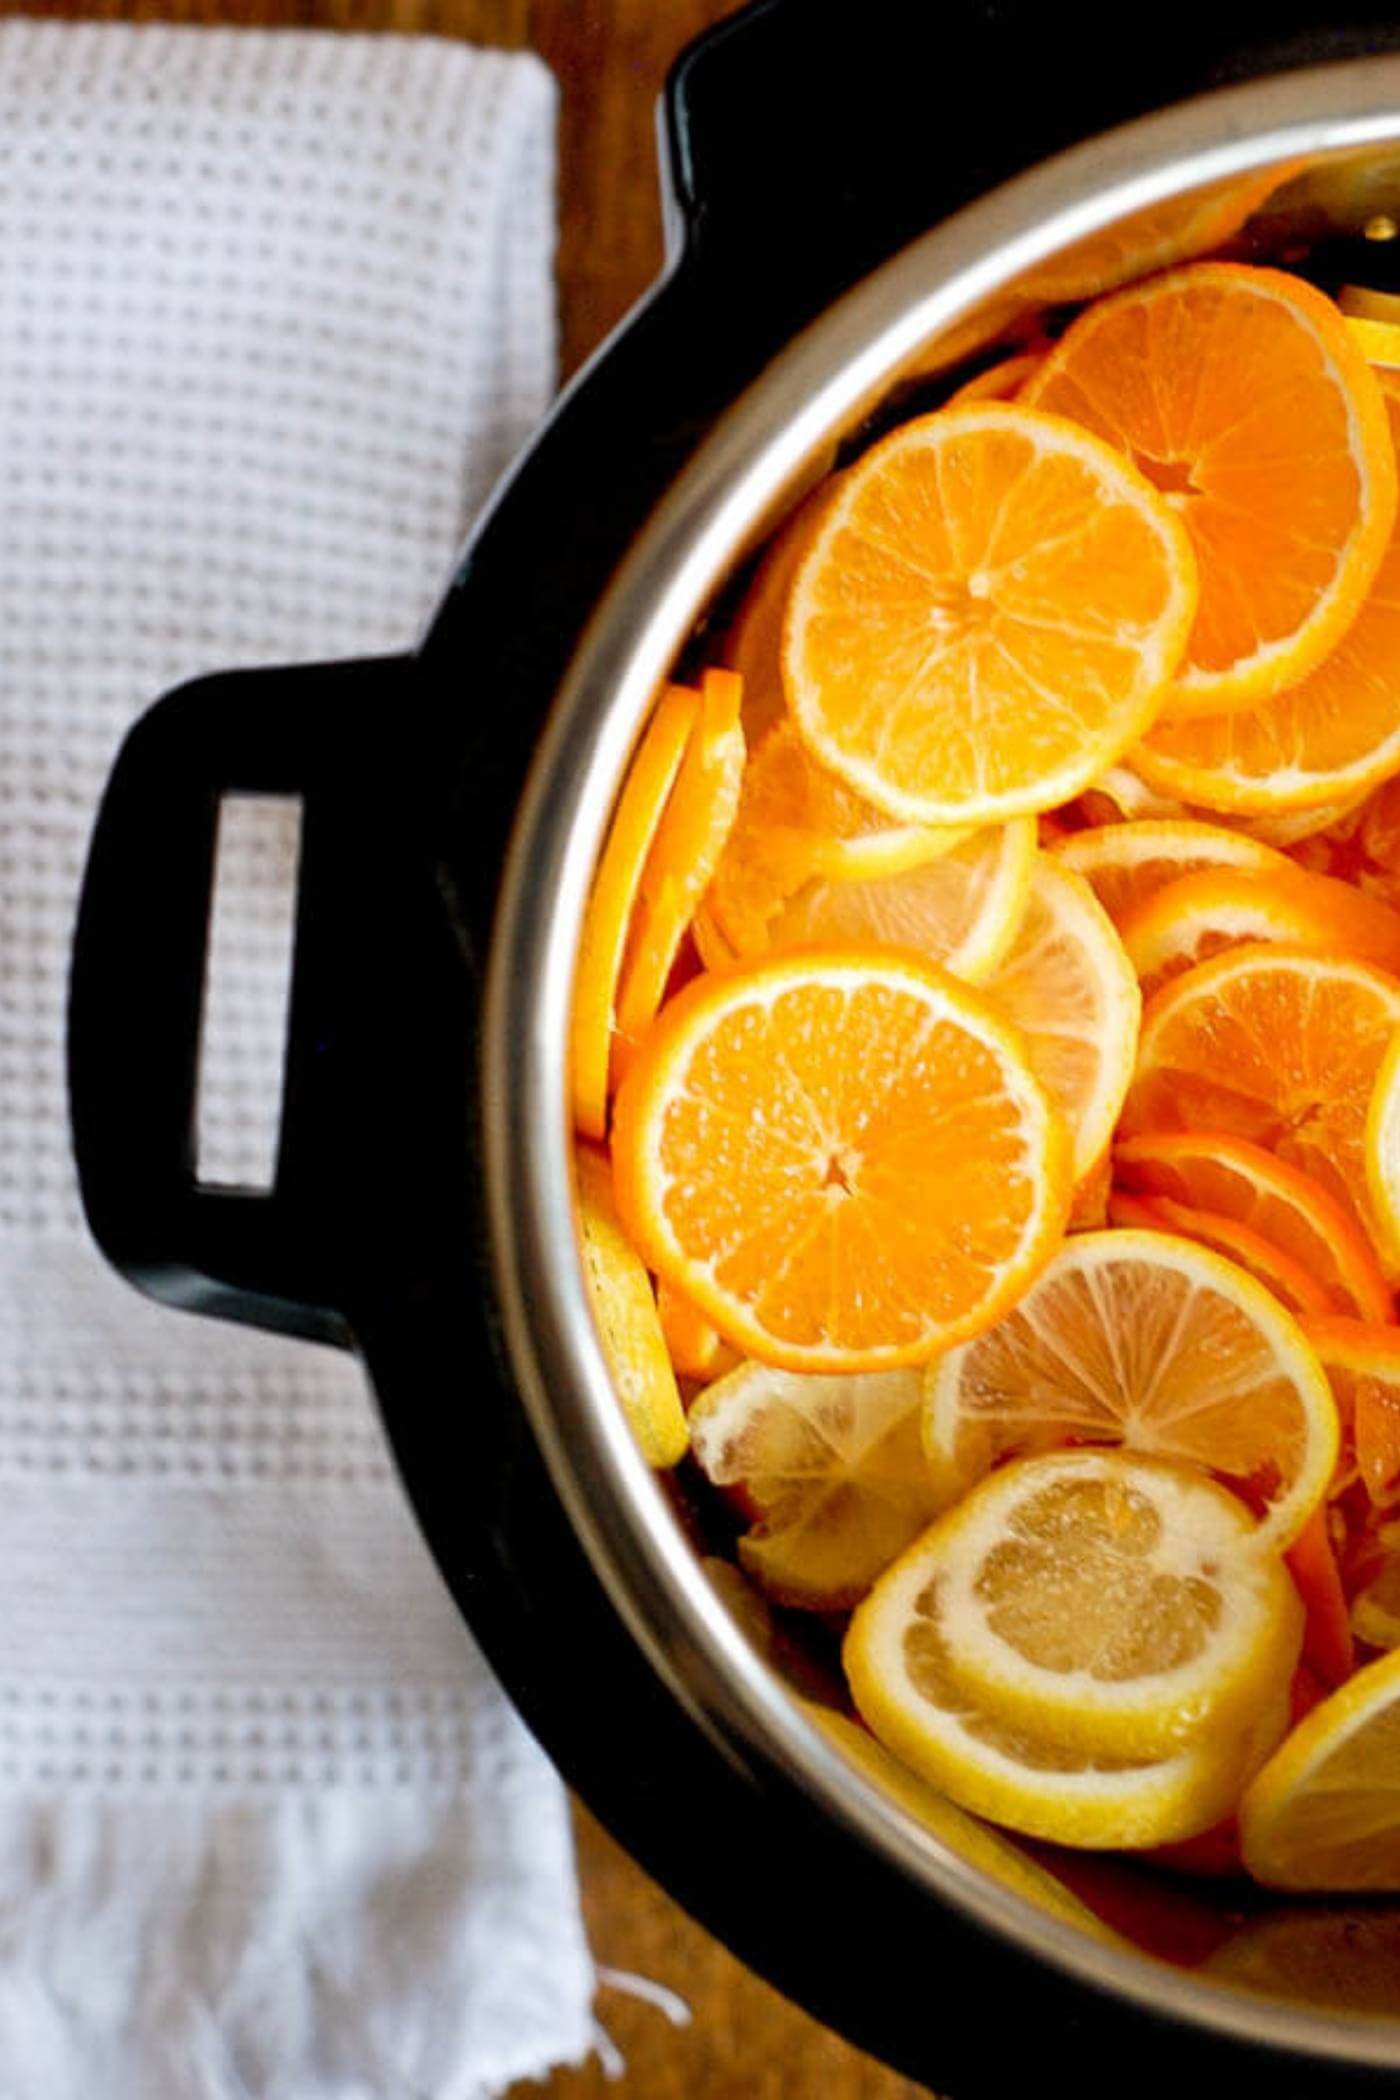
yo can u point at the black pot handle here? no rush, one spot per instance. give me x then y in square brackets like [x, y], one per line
[137, 985]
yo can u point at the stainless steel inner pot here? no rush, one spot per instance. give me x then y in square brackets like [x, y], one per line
[1331, 135]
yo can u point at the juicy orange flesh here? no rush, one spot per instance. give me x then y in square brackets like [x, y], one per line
[1301, 1063]
[1123, 874]
[1073, 1586]
[1005, 581]
[1368, 1399]
[1363, 848]
[1230, 1178]
[1137, 1354]
[1227, 403]
[847, 1163]
[836, 1479]
[1335, 718]
[929, 1665]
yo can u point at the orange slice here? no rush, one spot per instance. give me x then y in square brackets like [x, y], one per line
[1120, 796]
[1362, 1363]
[962, 909]
[684, 852]
[1324, 1813]
[754, 644]
[1275, 1045]
[1362, 846]
[624, 1312]
[1292, 827]
[796, 822]
[987, 616]
[1000, 382]
[842, 1158]
[1125, 863]
[1334, 735]
[696, 1349]
[1375, 1609]
[1240, 393]
[1151, 1342]
[1176, 230]
[1328, 1647]
[1219, 908]
[1280, 1273]
[1383, 1151]
[829, 1470]
[1232, 1178]
[613, 897]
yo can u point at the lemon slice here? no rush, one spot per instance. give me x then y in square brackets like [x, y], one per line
[1324, 1813]
[1142, 1339]
[1068, 985]
[967, 1837]
[898, 1667]
[625, 1314]
[1114, 1603]
[962, 910]
[831, 1469]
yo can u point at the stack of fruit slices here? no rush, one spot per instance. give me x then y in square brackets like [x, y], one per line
[986, 1069]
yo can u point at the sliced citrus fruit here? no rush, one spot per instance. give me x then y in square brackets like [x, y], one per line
[842, 1158]
[624, 1312]
[896, 1663]
[684, 851]
[1362, 1363]
[753, 645]
[1109, 1605]
[1124, 864]
[1174, 231]
[1327, 1641]
[1002, 381]
[987, 616]
[1293, 827]
[1375, 1609]
[1232, 1178]
[1273, 1044]
[1280, 1273]
[1141, 1339]
[962, 909]
[1324, 1813]
[1120, 796]
[1378, 341]
[1362, 846]
[1069, 987]
[1113, 1602]
[796, 822]
[1219, 908]
[1383, 1150]
[829, 1469]
[1332, 734]
[696, 1349]
[614, 894]
[967, 1837]
[1360, 302]
[1240, 393]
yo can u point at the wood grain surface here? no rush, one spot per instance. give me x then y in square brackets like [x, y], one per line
[611, 57]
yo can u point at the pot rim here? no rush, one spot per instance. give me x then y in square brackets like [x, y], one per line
[736, 484]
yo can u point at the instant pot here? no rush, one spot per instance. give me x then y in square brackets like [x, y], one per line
[863, 202]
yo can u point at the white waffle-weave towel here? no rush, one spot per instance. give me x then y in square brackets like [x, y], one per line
[274, 310]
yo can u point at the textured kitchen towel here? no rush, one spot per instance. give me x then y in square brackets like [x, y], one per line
[275, 308]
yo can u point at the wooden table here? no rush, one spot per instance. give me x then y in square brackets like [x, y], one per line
[610, 57]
